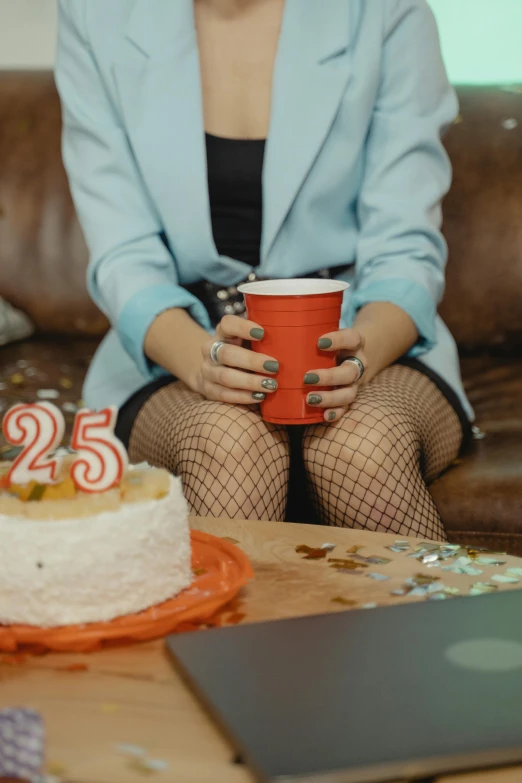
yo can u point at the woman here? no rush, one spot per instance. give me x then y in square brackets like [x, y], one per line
[210, 140]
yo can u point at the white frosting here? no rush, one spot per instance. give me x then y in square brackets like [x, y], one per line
[96, 568]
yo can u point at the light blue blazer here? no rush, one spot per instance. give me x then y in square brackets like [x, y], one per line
[354, 168]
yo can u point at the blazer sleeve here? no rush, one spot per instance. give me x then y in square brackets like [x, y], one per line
[401, 254]
[131, 276]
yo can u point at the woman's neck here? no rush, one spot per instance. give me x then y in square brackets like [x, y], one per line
[230, 9]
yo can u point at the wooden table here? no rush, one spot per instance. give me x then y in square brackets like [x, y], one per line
[131, 700]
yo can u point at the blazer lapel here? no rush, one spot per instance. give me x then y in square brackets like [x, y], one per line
[311, 74]
[159, 85]
[160, 91]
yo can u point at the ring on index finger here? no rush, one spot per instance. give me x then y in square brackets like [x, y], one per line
[214, 352]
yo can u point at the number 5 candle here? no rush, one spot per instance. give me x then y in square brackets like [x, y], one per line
[102, 458]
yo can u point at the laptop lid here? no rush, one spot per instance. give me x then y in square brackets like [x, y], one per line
[371, 695]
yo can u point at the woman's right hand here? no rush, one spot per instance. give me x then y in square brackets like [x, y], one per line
[243, 377]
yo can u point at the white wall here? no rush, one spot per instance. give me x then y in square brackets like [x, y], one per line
[27, 33]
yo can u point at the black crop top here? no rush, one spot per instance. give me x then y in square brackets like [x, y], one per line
[235, 168]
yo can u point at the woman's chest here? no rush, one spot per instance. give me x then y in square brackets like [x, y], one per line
[237, 57]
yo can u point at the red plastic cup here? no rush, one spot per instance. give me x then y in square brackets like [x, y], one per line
[294, 314]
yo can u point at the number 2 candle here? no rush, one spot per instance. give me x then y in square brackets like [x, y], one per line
[101, 459]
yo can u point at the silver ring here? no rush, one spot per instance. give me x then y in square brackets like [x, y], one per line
[359, 364]
[214, 352]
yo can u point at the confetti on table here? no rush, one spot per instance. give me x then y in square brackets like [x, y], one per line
[425, 579]
[451, 590]
[311, 553]
[17, 379]
[69, 407]
[489, 561]
[462, 565]
[354, 550]
[378, 577]
[343, 601]
[513, 571]
[425, 590]
[328, 547]
[399, 546]
[375, 560]
[510, 124]
[420, 585]
[350, 571]
[3, 386]
[199, 571]
[369, 606]
[230, 539]
[482, 588]
[47, 394]
[505, 579]
[22, 364]
[348, 565]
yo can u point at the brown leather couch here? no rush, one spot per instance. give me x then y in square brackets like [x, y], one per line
[42, 271]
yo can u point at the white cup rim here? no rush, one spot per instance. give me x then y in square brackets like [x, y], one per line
[299, 286]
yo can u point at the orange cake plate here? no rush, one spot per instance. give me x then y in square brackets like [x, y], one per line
[220, 569]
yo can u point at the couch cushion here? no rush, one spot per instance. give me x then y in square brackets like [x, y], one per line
[482, 221]
[480, 498]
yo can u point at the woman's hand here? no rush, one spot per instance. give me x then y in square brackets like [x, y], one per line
[345, 378]
[242, 377]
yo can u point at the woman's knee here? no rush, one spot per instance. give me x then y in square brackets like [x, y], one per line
[230, 437]
[373, 443]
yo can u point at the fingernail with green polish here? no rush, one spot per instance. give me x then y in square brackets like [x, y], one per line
[311, 378]
[324, 343]
[314, 399]
[257, 334]
[259, 396]
[271, 366]
[331, 415]
[269, 384]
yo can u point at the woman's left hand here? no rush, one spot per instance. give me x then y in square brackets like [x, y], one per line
[345, 378]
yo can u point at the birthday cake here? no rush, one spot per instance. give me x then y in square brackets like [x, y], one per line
[95, 541]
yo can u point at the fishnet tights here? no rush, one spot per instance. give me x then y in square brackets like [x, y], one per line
[231, 462]
[370, 470]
